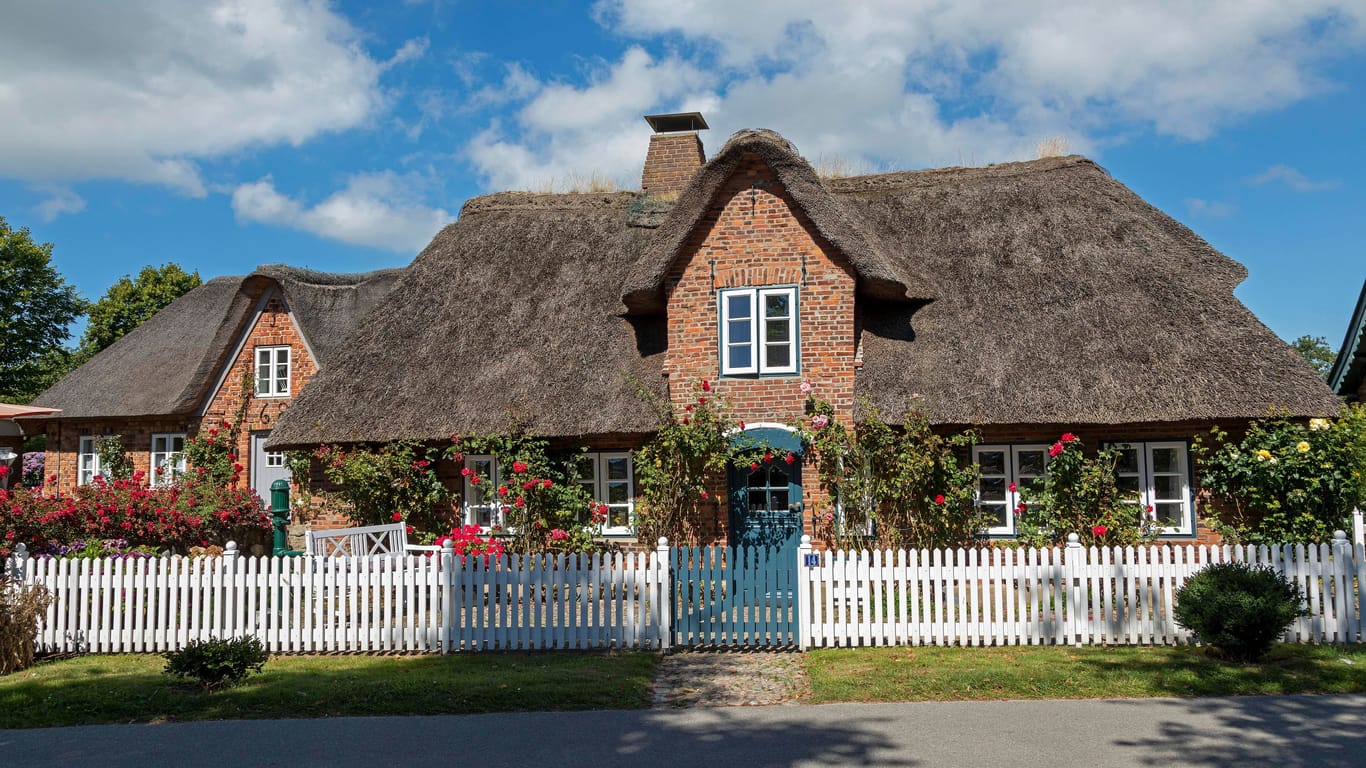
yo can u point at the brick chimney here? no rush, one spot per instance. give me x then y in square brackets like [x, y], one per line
[675, 153]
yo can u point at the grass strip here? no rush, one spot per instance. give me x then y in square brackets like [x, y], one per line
[1024, 672]
[131, 688]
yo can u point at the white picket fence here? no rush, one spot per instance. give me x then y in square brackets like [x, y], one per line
[1070, 595]
[437, 603]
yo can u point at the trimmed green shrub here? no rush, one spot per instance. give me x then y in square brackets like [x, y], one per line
[1237, 608]
[217, 663]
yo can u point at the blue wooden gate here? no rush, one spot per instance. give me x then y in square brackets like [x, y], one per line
[731, 597]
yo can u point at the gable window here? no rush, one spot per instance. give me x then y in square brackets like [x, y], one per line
[1159, 472]
[168, 458]
[272, 371]
[607, 477]
[88, 460]
[481, 492]
[758, 331]
[1005, 469]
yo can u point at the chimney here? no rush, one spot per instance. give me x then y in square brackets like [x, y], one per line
[675, 153]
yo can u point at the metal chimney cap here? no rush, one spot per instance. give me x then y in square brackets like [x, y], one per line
[677, 122]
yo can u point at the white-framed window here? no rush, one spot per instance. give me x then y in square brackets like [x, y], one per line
[88, 459]
[275, 458]
[168, 458]
[758, 331]
[272, 371]
[481, 496]
[1004, 469]
[1160, 473]
[608, 477]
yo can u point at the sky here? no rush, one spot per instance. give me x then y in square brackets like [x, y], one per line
[341, 136]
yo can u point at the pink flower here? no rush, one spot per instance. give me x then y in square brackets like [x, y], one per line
[1068, 437]
[805, 387]
[939, 499]
[518, 467]
[558, 535]
[465, 471]
[4, 470]
[1054, 450]
[820, 421]
[1099, 530]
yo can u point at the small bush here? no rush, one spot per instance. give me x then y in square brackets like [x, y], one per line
[217, 663]
[21, 608]
[1239, 609]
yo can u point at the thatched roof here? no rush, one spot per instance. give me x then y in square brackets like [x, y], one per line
[1349, 370]
[1058, 297]
[167, 365]
[881, 273]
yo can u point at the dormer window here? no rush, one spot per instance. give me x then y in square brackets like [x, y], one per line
[759, 331]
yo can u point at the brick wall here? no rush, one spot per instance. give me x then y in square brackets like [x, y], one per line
[753, 236]
[672, 160]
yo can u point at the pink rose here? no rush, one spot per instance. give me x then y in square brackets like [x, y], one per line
[820, 421]
[805, 387]
[1055, 450]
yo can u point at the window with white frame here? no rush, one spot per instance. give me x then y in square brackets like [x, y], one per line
[607, 477]
[1005, 469]
[88, 459]
[758, 331]
[481, 492]
[272, 371]
[1159, 472]
[168, 458]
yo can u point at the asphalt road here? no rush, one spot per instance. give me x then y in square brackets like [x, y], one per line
[1281, 731]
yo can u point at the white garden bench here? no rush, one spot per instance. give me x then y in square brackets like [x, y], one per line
[391, 539]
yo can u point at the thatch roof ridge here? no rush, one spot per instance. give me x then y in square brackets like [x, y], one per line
[548, 202]
[870, 182]
[168, 364]
[880, 274]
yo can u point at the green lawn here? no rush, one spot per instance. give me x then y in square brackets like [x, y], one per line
[132, 688]
[944, 674]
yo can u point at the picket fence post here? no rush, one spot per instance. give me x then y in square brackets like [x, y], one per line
[1073, 569]
[449, 591]
[1358, 527]
[1344, 597]
[663, 597]
[803, 594]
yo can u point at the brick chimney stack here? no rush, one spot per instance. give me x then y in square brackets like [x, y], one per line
[675, 153]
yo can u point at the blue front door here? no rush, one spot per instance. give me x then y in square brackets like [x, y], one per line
[766, 505]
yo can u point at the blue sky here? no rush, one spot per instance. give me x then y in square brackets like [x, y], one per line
[341, 136]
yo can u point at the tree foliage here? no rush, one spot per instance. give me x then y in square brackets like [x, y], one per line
[36, 306]
[130, 302]
[1316, 352]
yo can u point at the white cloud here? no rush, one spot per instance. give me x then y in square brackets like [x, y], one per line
[1292, 178]
[60, 200]
[926, 82]
[141, 90]
[1209, 209]
[380, 210]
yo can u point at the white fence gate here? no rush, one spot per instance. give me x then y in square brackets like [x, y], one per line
[438, 603]
[1071, 595]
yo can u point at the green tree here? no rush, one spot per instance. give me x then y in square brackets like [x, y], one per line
[36, 306]
[130, 302]
[1315, 351]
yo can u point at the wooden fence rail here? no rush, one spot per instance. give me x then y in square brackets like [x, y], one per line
[1070, 595]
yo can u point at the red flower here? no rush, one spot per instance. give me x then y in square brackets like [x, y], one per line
[753, 466]
[1068, 437]
[518, 467]
[701, 401]
[4, 470]
[409, 529]
[1012, 487]
[790, 458]
[474, 480]
[519, 502]
[706, 386]
[546, 483]
[686, 421]
[502, 490]
[768, 456]
[742, 426]
[465, 471]
[236, 467]
[528, 485]
[1099, 530]
[398, 516]
[1054, 450]
[704, 494]
[939, 499]
[687, 407]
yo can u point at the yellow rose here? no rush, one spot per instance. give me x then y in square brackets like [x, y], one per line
[1317, 424]
[1302, 447]
[1263, 453]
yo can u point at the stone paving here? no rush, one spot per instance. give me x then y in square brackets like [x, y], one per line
[729, 679]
